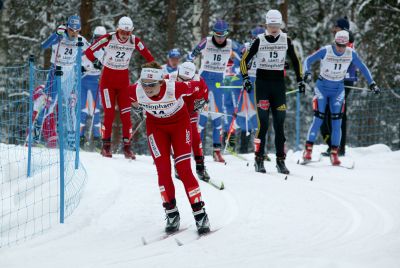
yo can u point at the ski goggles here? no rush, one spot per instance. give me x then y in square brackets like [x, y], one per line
[341, 45]
[74, 30]
[122, 32]
[149, 84]
[220, 34]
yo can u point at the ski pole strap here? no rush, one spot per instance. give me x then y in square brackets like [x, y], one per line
[292, 92]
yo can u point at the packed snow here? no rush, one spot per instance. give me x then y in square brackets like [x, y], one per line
[340, 218]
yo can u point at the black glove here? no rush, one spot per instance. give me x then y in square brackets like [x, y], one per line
[373, 87]
[307, 77]
[83, 70]
[247, 85]
[199, 105]
[302, 87]
[97, 64]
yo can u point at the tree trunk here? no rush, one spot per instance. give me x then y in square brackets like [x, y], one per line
[86, 15]
[283, 8]
[171, 24]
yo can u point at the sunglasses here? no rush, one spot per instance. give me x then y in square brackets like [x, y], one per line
[74, 31]
[125, 32]
[149, 84]
[220, 34]
[341, 45]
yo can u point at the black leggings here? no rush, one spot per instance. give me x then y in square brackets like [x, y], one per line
[271, 95]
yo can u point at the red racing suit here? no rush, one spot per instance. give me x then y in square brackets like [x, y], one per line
[190, 101]
[114, 78]
[168, 125]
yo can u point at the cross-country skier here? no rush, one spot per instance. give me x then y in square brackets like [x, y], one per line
[349, 80]
[335, 60]
[118, 48]
[194, 103]
[216, 51]
[90, 100]
[271, 49]
[173, 61]
[64, 53]
[168, 124]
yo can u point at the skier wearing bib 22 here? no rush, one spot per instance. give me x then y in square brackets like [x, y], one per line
[271, 48]
[335, 60]
[216, 51]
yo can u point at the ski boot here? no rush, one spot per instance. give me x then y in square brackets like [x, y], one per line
[127, 149]
[280, 165]
[201, 218]
[259, 164]
[327, 153]
[82, 142]
[172, 216]
[217, 154]
[106, 149]
[307, 154]
[334, 156]
[201, 169]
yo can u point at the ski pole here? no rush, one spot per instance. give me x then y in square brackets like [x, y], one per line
[94, 111]
[292, 92]
[233, 120]
[218, 85]
[359, 88]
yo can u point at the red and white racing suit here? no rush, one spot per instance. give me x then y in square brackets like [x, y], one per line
[168, 125]
[114, 79]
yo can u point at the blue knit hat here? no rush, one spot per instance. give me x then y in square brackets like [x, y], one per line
[174, 53]
[221, 28]
[343, 24]
[74, 23]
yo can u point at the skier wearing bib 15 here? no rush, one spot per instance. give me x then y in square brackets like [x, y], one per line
[335, 60]
[168, 124]
[118, 48]
[216, 51]
[271, 48]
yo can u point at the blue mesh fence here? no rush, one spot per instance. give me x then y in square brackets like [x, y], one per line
[30, 176]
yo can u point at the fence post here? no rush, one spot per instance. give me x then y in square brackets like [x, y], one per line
[297, 121]
[78, 102]
[60, 119]
[31, 83]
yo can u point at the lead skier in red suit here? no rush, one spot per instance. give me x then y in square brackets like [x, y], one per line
[194, 103]
[168, 125]
[118, 49]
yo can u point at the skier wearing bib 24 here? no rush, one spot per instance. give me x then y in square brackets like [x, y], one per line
[168, 124]
[114, 80]
[335, 60]
[271, 48]
[64, 51]
[216, 51]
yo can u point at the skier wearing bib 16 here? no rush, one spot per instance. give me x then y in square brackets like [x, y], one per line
[335, 60]
[194, 103]
[216, 51]
[90, 101]
[114, 80]
[167, 125]
[271, 48]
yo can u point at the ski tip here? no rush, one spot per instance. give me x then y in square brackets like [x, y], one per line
[225, 163]
[286, 178]
[222, 186]
[312, 178]
[247, 164]
[298, 161]
[144, 241]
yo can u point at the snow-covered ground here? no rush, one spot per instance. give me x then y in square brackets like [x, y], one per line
[341, 218]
